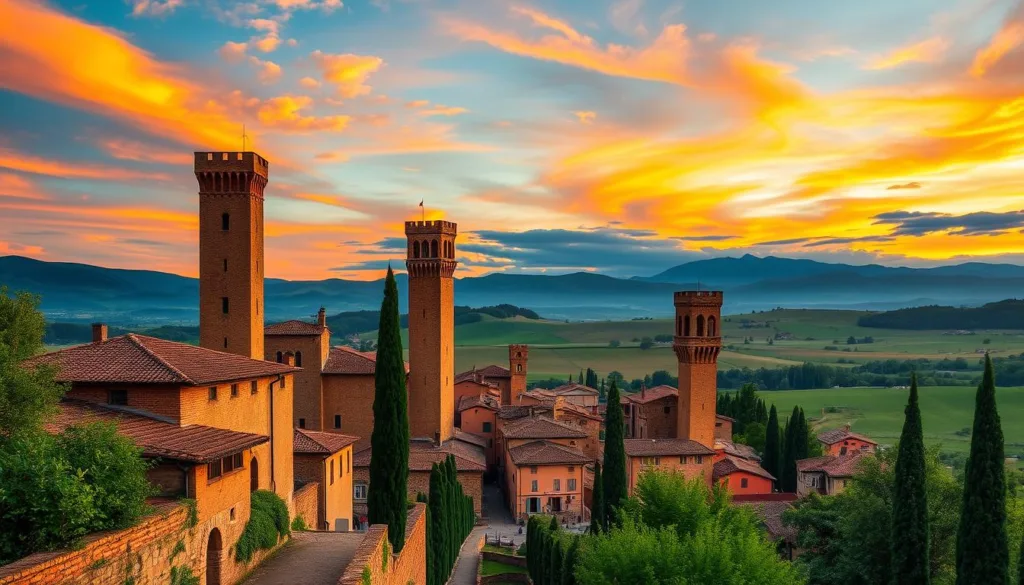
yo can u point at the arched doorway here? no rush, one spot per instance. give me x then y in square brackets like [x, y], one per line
[213, 554]
[254, 475]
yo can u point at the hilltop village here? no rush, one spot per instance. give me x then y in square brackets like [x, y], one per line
[275, 407]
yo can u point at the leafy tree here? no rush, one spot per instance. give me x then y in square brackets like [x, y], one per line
[615, 486]
[755, 435]
[982, 551]
[772, 445]
[27, 395]
[389, 463]
[598, 513]
[910, 565]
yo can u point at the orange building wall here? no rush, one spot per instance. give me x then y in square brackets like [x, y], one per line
[723, 429]
[335, 491]
[755, 483]
[162, 400]
[352, 398]
[229, 185]
[591, 446]
[473, 420]
[690, 470]
[468, 388]
[308, 402]
[520, 487]
[851, 446]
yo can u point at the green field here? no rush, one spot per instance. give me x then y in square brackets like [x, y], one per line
[878, 412]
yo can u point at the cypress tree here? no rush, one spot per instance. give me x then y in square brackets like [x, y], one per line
[615, 486]
[597, 514]
[531, 546]
[389, 462]
[801, 440]
[789, 453]
[435, 530]
[910, 552]
[1020, 564]
[772, 446]
[569, 566]
[982, 551]
[556, 560]
[543, 553]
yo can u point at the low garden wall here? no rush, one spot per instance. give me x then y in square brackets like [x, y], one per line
[515, 561]
[307, 505]
[375, 559]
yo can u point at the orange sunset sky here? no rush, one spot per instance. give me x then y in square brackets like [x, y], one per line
[623, 137]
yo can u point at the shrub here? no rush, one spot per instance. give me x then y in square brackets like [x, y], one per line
[268, 523]
[299, 524]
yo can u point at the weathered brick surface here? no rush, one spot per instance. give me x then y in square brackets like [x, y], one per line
[351, 397]
[307, 500]
[408, 566]
[308, 403]
[419, 481]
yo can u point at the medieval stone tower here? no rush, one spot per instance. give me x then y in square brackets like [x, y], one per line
[517, 361]
[697, 344]
[231, 251]
[430, 260]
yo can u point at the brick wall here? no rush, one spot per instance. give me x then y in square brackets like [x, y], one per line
[409, 566]
[308, 403]
[352, 398]
[307, 504]
[419, 481]
[159, 399]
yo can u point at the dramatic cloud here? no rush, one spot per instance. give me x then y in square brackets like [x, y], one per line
[917, 223]
[284, 112]
[1009, 38]
[927, 51]
[348, 73]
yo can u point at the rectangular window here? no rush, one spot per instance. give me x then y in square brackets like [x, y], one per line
[699, 459]
[348, 461]
[571, 485]
[682, 460]
[302, 423]
[213, 470]
[213, 393]
[332, 472]
[533, 469]
[118, 397]
[359, 492]
[668, 409]
[234, 390]
[228, 464]
[225, 221]
[341, 466]
[487, 427]
[557, 485]
[743, 482]
[224, 305]
[533, 485]
[253, 387]
[284, 383]
[337, 421]
[237, 457]
[225, 265]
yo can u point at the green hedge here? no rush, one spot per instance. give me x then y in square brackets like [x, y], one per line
[267, 525]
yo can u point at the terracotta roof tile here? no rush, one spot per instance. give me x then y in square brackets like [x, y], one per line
[294, 327]
[737, 450]
[156, 436]
[841, 466]
[423, 454]
[347, 361]
[512, 411]
[574, 388]
[844, 434]
[771, 517]
[483, 401]
[139, 359]
[318, 442]
[546, 453]
[577, 410]
[659, 447]
[491, 371]
[651, 394]
[467, 437]
[723, 417]
[541, 428]
[731, 465]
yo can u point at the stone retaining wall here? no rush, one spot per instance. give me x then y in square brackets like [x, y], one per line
[408, 566]
[307, 504]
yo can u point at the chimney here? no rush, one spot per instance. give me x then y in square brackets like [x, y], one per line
[643, 392]
[321, 317]
[846, 427]
[437, 438]
[99, 332]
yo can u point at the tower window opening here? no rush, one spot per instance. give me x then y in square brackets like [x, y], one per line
[415, 249]
[225, 221]
[280, 357]
[686, 326]
[225, 265]
[433, 249]
[700, 325]
[711, 327]
[225, 343]
[224, 305]
[298, 359]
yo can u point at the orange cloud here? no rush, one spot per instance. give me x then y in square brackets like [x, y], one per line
[347, 72]
[1009, 37]
[137, 151]
[268, 71]
[585, 117]
[12, 185]
[283, 112]
[928, 51]
[154, 7]
[40, 166]
[233, 52]
[309, 83]
[120, 81]
[442, 110]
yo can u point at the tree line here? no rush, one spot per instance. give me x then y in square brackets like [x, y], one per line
[1008, 314]
[450, 518]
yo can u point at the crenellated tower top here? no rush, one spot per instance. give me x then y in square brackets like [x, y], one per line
[430, 248]
[231, 173]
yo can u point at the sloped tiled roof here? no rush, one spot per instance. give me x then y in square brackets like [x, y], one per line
[294, 327]
[771, 517]
[737, 450]
[843, 434]
[651, 394]
[467, 437]
[423, 454]
[491, 371]
[574, 388]
[139, 359]
[546, 453]
[483, 401]
[344, 360]
[575, 409]
[541, 427]
[723, 417]
[317, 442]
[666, 447]
[834, 466]
[156, 436]
[731, 465]
[512, 411]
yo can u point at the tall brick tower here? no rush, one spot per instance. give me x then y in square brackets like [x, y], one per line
[430, 260]
[517, 357]
[697, 344]
[231, 251]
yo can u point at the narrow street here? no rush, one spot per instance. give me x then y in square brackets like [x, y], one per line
[497, 521]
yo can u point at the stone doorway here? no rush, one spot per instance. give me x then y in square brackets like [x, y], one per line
[213, 555]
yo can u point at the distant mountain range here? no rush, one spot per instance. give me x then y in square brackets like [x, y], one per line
[81, 292]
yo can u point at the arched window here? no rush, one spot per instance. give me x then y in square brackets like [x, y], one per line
[433, 249]
[416, 249]
[280, 357]
[298, 359]
[213, 557]
[254, 475]
[225, 221]
[679, 326]
[519, 368]
[711, 327]
[686, 326]
[700, 325]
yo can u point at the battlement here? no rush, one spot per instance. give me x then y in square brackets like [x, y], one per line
[245, 162]
[433, 226]
[698, 297]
